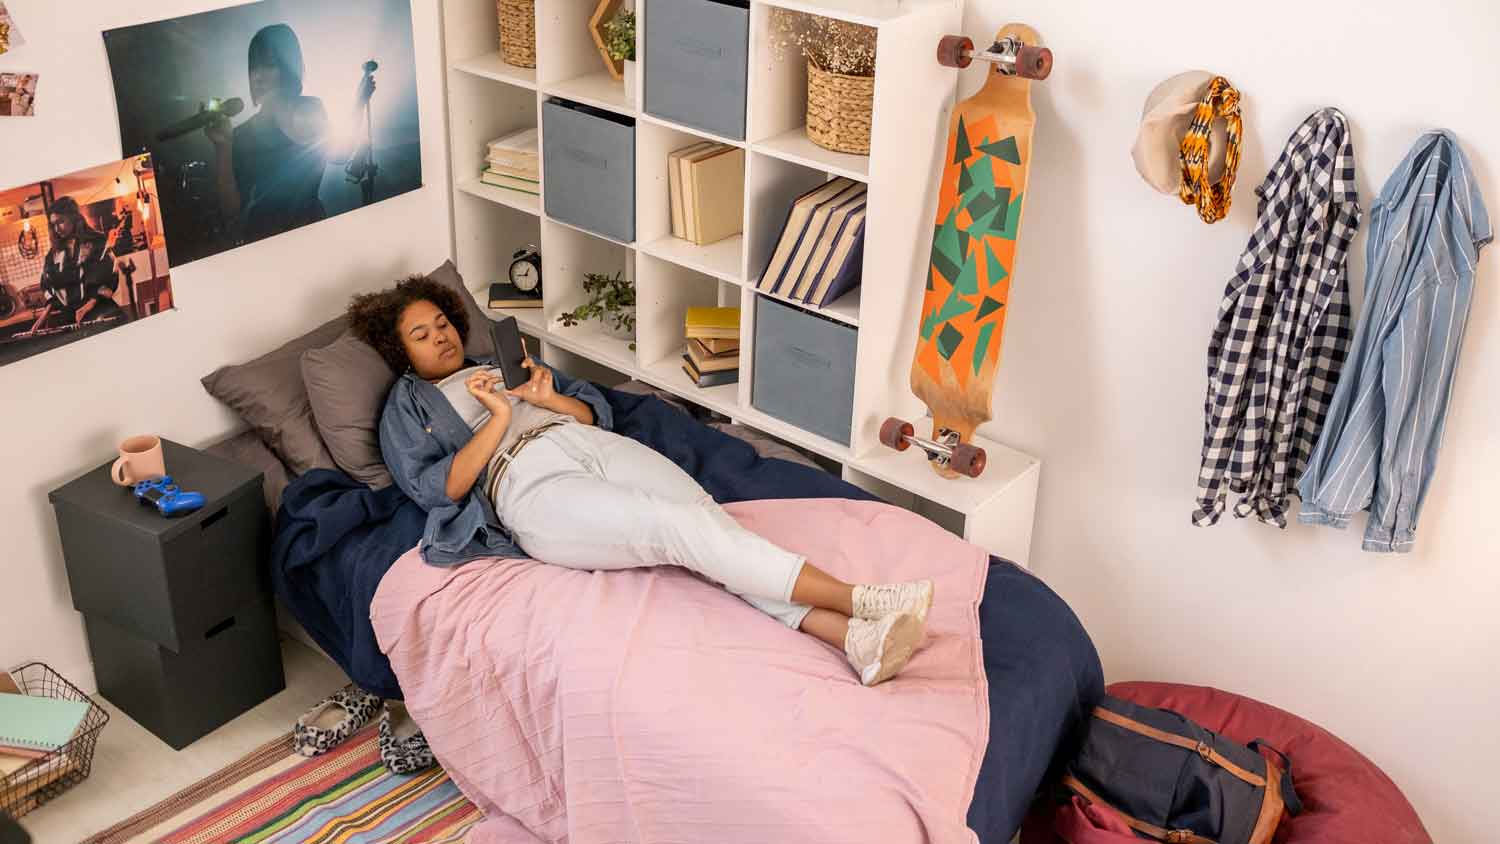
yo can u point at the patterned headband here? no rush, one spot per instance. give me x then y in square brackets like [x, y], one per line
[1220, 101]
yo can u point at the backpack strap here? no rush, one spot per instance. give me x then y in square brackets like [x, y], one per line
[1271, 807]
[1169, 836]
[1202, 748]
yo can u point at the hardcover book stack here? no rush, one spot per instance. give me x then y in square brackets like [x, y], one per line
[707, 182]
[820, 255]
[713, 346]
[513, 163]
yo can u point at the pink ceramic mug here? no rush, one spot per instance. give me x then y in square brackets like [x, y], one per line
[140, 459]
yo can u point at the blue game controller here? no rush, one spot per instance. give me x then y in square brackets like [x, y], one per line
[168, 498]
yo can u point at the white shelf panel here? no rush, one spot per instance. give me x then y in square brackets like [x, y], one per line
[531, 320]
[721, 260]
[794, 146]
[845, 309]
[589, 340]
[566, 224]
[668, 375]
[910, 470]
[500, 196]
[599, 90]
[678, 127]
[493, 67]
[868, 12]
[793, 434]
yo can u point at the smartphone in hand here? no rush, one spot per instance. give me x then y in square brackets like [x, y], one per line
[510, 352]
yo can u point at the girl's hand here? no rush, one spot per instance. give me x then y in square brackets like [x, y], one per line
[481, 385]
[538, 390]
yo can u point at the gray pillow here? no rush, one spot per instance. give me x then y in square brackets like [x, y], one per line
[269, 395]
[347, 382]
[246, 449]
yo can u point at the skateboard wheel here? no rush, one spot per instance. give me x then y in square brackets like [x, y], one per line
[968, 460]
[893, 433]
[1034, 63]
[955, 51]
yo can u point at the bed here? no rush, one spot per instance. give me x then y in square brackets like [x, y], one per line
[337, 541]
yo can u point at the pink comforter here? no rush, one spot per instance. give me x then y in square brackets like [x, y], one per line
[650, 706]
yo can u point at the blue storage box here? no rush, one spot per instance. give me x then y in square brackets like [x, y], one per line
[804, 369]
[588, 168]
[697, 60]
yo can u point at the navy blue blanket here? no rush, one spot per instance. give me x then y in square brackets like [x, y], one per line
[336, 539]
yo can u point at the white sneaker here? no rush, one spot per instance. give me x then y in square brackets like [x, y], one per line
[883, 599]
[879, 648]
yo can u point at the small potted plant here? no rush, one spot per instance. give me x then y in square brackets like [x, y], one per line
[620, 41]
[611, 300]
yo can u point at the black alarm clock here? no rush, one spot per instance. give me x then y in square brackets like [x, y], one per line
[526, 271]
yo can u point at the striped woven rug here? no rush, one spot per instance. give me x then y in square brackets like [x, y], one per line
[274, 796]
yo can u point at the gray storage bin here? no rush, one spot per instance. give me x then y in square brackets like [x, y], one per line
[804, 369]
[696, 63]
[588, 168]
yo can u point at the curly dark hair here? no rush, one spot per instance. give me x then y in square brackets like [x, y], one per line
[373, 316]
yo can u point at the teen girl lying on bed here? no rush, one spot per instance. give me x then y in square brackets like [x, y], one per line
[532, 470]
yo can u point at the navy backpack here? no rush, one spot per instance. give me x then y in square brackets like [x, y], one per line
[1174, 781]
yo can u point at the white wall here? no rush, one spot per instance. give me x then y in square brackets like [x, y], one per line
[62, 412]
[1103, 378]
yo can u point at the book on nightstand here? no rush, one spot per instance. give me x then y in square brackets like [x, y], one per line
[503, 294]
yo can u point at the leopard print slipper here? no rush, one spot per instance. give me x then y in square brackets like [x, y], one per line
[311, 738]
[403, 755]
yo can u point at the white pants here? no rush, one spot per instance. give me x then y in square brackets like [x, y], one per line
[585, 498]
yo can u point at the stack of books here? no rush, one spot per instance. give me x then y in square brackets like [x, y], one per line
[820, 255]
[513, 163]
[713, 346]
[32, 729]
[707, 184]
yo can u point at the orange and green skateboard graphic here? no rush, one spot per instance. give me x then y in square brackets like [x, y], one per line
[973, 252]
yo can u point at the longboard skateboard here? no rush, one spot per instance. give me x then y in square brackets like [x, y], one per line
[980, 199]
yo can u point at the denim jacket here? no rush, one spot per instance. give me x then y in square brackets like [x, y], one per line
[420, 432]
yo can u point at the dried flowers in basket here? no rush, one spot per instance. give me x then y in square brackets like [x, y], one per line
[840, 76]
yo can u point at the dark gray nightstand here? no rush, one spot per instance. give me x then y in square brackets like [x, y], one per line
[178, 612]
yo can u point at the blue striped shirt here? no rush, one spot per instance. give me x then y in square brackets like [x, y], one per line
[1380, 444]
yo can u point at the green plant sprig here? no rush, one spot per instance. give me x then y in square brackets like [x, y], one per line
[610, 299]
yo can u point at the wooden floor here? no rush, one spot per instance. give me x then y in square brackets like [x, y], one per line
[133, 769]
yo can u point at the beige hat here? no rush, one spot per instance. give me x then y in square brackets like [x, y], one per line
[1164, 120]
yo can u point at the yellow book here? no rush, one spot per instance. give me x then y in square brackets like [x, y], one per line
[713, 323]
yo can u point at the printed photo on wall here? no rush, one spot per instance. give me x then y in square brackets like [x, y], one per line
[17, 94]
[270, 116]
[80, 255]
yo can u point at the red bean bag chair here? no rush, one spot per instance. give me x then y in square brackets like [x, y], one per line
[1345, 798]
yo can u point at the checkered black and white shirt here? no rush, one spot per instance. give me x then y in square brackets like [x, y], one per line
[1283, 329]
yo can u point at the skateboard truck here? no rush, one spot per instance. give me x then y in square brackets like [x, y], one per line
[947, 451]
[1010, 56]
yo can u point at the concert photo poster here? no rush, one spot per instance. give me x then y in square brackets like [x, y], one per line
[80, 254]
[266, 117]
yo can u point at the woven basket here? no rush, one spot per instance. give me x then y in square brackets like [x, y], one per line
[517, 31]
[838, 110]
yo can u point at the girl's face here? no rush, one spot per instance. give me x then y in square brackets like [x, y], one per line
[265, 83]
[432, 343]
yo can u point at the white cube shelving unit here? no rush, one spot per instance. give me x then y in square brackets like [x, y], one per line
[913, 98]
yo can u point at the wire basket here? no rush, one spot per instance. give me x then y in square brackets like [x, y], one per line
[517, 31]
[43, 779]
[839, 108]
